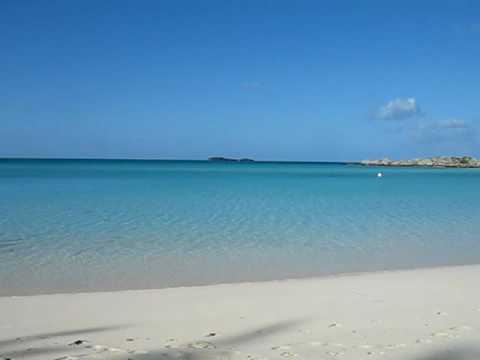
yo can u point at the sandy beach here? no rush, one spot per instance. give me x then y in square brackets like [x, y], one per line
[415, 314]
[239, 180]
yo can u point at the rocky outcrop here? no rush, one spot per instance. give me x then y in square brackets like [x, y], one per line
[439, 161]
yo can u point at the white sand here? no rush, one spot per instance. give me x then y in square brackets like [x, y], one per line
[417, 314]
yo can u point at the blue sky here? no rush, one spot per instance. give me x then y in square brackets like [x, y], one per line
[278, 80]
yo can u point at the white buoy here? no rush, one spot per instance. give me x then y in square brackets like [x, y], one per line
[380, 174]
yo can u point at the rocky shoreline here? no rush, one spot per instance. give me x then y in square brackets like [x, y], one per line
[438, 161]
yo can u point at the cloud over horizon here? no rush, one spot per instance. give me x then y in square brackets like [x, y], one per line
[398, 109]
[404, 121]
[452, 130]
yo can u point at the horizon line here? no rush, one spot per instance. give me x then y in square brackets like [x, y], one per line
[170, 159]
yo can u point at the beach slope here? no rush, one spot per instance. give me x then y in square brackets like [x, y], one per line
[416, 314]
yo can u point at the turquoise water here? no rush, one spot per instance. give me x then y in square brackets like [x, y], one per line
[103, 225]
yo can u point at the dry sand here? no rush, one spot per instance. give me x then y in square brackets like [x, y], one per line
[418, 314]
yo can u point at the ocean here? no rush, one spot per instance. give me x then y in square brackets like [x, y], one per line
[99, 225]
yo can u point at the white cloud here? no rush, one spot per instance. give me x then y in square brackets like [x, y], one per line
[398, 109]
[445, 131]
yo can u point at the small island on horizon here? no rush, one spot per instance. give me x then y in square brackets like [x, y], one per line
[437, 161]
[225, 159]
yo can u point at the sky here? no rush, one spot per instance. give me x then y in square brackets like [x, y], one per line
[270, 80]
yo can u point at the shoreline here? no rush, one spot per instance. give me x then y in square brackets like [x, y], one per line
[248, 282]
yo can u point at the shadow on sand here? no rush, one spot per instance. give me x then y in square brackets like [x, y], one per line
[200, 349]
[452, 353]
[213, 349]
[221, 348]
[28, 348]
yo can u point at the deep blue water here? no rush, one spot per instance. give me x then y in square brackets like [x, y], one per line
[70, 225]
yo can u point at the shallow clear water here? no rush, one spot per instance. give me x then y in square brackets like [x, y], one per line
[101, 225]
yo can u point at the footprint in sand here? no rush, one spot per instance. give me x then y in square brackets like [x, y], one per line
[461, 328]
[202, 345]
[288, 354]
[424, 341]
[395, 346]
[97, 348]
[372, 353]
[335, 353]
[100, 348]
[103, 348]
[251, 357]
[452, 336]
[282, 347]
[333, 325]
[117, 350]
[440, 334]
[170, 344]
[77, 342]
[138, 352]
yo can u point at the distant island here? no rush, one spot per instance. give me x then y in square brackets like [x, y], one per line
[438, 161]
[224, 159]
